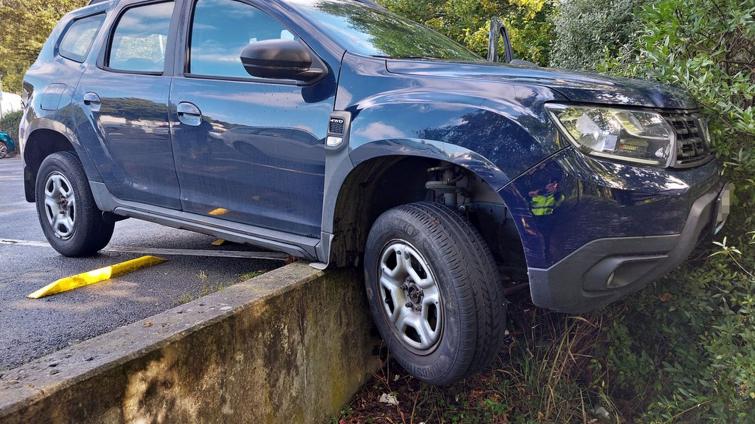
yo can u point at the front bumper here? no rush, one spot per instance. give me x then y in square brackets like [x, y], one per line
[605, 270]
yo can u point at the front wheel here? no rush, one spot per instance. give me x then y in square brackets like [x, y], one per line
[434, 292]
[70, 219]
[4, 151]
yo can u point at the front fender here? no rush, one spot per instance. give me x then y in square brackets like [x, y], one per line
[495, 130]
[424, 121]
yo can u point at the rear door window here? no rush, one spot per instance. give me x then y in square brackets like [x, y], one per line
[140, 39]
[78, 38]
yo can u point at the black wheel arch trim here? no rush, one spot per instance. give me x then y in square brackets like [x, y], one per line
[37, 124]
[340, 163]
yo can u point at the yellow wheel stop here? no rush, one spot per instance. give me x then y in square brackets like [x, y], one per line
[96, 276]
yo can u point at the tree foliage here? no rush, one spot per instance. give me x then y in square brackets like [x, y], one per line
[468, 22]
[24, 27]
[585, 31]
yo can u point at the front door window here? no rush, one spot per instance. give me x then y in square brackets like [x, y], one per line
[221, 30]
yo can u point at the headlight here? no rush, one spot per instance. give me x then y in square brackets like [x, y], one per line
[623, 134]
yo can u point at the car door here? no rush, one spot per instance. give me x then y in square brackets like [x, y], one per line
[126, 96]
[247, 150]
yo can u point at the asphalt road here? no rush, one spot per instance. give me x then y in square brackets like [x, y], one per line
[33, 328]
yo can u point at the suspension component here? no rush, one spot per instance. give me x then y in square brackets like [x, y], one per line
[450, 184]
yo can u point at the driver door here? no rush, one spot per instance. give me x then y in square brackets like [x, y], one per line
[247, 150]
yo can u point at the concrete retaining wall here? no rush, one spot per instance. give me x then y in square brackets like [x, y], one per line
[290, 346]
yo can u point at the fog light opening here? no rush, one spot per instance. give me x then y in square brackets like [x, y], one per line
[723, 208]
[610, 282]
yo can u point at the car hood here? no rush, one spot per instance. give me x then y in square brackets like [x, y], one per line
[575, 86]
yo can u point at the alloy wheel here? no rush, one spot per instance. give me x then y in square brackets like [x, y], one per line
[410, 297]
[60, 205]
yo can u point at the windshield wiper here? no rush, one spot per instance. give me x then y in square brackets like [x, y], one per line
[407, 57]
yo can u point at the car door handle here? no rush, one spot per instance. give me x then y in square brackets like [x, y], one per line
[189, 114]
[91, 99]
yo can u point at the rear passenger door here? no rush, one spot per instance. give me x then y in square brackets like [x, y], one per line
[125, 97]
[248, 150]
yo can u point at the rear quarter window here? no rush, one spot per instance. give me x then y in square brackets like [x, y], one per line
[78, 38]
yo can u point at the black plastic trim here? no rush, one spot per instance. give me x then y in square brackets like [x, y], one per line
[299, 246]
[584, 280]
[29, 182]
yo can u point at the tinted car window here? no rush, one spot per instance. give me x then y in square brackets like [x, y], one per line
[140, 38]
[221, 30]
[78, 39]
[371, 31]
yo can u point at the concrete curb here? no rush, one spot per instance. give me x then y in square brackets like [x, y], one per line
[292, 345]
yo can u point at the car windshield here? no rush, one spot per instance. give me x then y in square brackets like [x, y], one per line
[370, 31]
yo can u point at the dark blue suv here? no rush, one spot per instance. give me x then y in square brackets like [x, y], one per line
[343, 134]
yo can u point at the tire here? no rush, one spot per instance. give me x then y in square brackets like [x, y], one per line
[4, 151]
[464, 331]
[82, 230]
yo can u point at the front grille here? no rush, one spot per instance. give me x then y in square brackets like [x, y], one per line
[691, 147]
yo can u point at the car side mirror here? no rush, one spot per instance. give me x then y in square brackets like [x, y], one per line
[282, 59]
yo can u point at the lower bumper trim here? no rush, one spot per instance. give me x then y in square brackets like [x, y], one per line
[606, 270]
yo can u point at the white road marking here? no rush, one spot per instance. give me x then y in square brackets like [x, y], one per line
[272, 256]
[24, 243]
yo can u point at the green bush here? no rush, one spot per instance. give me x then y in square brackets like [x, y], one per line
[586, 30]
[692, 358]
[10, 123]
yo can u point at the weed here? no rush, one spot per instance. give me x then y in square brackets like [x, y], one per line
[253, 274]
[202, 275]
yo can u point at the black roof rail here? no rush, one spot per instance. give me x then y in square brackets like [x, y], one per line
[97, 1]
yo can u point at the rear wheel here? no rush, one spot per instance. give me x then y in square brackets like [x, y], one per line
[434, 292]
[4, 152]
[70, 219]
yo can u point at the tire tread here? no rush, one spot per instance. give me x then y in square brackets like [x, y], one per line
[93, 232]
[475, 278]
